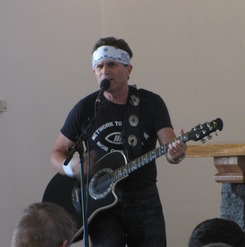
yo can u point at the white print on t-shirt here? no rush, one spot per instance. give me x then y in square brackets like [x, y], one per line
[103, 147]
[102, 128]
[114, 137]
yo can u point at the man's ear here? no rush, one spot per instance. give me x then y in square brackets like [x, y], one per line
[64, 244]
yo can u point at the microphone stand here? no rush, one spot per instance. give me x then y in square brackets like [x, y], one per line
[78, 147]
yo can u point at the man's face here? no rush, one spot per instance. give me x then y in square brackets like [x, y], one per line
[117, 73]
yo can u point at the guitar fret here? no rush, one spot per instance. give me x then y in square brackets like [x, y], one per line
[120, 172]
[133, 166]
[163, 149]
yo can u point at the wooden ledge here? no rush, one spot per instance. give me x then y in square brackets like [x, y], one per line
[229, 159]
[215, 150]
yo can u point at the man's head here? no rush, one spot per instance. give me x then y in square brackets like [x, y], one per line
[43, 225]
[217, 232]
[111, 60]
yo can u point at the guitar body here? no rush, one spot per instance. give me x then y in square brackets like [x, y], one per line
[60, 189]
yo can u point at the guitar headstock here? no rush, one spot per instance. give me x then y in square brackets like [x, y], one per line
[202, 130]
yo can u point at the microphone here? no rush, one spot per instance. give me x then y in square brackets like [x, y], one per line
[104, 85]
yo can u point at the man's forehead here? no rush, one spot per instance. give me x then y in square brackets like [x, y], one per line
[107, 62]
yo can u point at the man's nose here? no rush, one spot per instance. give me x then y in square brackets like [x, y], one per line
[106, 69]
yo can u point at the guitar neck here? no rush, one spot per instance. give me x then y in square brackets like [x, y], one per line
[141, 161]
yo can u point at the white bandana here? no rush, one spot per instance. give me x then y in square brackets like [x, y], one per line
[110, 53]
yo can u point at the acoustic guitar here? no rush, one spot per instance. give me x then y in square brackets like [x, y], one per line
[105, 175]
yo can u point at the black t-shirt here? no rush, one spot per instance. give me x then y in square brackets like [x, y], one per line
[106, 134]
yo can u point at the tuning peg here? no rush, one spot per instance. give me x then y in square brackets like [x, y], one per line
[204, 131]
[209, 125]
[203, 141]
[209, 137]
[198, 136]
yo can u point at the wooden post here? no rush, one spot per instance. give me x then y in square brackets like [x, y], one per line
[229, 160]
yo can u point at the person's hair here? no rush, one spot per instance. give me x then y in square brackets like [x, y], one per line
[43, 225]
[217, 231]
[112, 41]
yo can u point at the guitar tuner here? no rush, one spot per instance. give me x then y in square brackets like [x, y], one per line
[202, 126]
[198, 136]
[204, 132]
[210, 126]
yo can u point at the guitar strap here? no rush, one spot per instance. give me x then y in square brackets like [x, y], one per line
[132, 132]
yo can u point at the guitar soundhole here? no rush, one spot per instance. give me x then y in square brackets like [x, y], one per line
[101, 183]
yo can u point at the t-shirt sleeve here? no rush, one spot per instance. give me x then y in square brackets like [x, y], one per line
[78, 117]
[71, 127]
[160, 113]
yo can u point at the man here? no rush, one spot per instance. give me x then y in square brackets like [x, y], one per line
[44, 225]
[128, 120]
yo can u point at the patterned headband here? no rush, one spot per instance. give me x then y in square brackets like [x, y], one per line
[110, 53]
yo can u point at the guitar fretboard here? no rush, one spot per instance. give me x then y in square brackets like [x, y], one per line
[139, 162]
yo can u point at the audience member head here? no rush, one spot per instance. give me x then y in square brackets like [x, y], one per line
[217, 233]
[43, 225]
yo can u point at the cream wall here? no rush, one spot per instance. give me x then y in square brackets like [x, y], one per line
[191, 52]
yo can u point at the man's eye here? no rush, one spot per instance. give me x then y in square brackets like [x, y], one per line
[112, 64]
[99, 67]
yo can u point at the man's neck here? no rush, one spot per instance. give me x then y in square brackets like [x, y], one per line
[119, 97]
